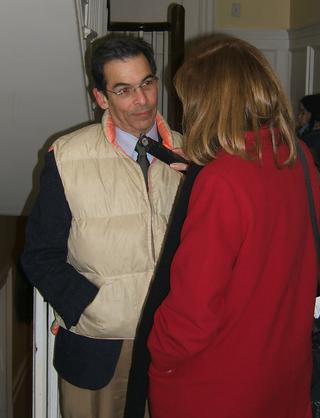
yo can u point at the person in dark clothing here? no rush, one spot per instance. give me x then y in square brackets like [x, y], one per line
[309, 108]
[309, 124]
[312, 139]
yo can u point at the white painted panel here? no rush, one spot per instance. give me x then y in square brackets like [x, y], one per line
[271, 56]
[283, 68]
[3, 354]
[53, 397]
[279, 60]
[39, 389]
[45, 388]
[315, 75]
[274, 44]
[305, 65]
[298, 75]
[6, 345]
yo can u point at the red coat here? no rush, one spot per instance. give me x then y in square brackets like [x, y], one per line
[232, 338]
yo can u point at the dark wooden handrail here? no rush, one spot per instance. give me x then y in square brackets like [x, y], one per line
[137, 26]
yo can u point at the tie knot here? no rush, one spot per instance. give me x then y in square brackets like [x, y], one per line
[140, 149]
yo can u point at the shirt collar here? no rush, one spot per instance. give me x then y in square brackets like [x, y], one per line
[128, 142]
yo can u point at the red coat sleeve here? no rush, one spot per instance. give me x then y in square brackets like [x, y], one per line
[193, 312]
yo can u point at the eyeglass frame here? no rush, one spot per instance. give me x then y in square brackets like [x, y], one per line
[132, 89]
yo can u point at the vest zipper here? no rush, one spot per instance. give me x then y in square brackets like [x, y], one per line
[151, 217]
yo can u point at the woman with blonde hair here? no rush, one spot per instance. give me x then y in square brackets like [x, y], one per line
[231, 335]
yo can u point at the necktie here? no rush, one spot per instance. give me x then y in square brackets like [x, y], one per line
[143, 161]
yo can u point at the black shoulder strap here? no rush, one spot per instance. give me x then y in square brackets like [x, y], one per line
[312, 210]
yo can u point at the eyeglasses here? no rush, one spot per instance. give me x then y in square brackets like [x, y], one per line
[125, 92]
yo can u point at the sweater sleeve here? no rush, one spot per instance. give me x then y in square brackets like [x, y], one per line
[190, 317]
[44, 259]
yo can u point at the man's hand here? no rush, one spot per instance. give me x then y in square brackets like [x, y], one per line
[179, 166]
[54, 327]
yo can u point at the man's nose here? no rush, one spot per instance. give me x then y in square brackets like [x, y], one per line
[140, 95]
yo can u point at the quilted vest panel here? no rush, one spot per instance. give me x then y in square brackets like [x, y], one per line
[117, 226]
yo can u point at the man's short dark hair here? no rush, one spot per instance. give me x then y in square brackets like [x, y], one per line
[120, 47]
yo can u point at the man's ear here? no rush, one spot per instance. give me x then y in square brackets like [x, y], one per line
[101, 99]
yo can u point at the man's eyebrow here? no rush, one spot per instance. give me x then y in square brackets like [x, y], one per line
[122, 84]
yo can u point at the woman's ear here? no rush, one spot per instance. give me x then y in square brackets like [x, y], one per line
[101, 99]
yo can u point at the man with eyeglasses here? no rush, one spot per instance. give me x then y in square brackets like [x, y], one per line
[96, 230]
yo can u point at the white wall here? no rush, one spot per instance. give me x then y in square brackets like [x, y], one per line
[41, 88]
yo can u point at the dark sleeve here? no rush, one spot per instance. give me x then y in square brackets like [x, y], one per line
[44, 259]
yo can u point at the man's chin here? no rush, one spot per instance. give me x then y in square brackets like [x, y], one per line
[144, 126]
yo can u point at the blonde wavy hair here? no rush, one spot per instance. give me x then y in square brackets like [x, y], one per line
[227, 88]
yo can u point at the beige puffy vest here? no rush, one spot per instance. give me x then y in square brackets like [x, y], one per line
[117, 225]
